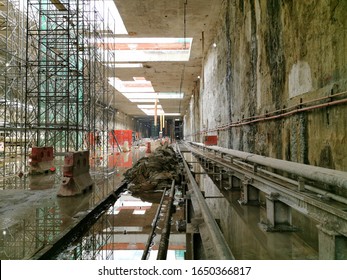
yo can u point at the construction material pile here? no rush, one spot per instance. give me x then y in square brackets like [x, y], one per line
[154, 172]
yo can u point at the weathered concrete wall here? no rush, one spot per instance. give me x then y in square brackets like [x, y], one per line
[192, 116]
[272, 55]
[123, 121]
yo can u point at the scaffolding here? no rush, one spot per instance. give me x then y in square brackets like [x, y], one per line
[12, 70]
[53, 82]
[53, 92]
[56, 103]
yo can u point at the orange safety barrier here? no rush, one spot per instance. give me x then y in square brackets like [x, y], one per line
[76, 177]
[41, 160]
[122, 136]
[211, 140]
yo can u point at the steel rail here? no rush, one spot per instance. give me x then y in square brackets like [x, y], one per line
[165, 233]
[222, 249]
[154, 225]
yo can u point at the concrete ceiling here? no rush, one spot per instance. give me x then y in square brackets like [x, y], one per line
[167, 18]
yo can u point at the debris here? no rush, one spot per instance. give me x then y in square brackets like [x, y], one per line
[154, 172]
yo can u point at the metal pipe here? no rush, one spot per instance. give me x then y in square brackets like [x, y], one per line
[154, 225]
[295, 182]
[165, 234]
[326, 194]
[222, 249]
[285, 113]
[319, 174]
[161, 123]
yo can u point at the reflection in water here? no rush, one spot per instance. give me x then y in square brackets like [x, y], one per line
[122, 233]
[240, 226]
[32, 216]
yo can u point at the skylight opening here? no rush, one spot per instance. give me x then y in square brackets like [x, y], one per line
[152, 95]
[143, 100]
[110, 14]
[151, 112]
[152, 106]
[137, 85]
[150, 109]
[125, 65]
[146, 49]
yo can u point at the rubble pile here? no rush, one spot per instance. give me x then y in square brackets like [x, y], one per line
[154, 172]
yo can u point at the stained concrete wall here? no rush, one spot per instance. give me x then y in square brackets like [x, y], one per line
[124, 121]
[271, 55]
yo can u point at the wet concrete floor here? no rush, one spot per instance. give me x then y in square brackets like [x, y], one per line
[31, 214]
[32, 217]
[240, 225]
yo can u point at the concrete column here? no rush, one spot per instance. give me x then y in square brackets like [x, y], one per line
[278, 213]
[250, 194]
[230, 182]
[331, 244]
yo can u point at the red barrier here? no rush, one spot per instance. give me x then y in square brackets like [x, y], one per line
[41, 160]
[122, 137]
[76, 177]
[211, 140]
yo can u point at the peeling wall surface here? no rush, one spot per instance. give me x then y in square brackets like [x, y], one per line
[276, 56]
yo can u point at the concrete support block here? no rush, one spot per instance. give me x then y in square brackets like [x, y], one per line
[41, 181]
[278, 215]
[76, 177]
[331, 244]
[249, 194]
[234, 183]
[41, 160]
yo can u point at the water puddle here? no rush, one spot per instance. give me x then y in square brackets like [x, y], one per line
[122, 232]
